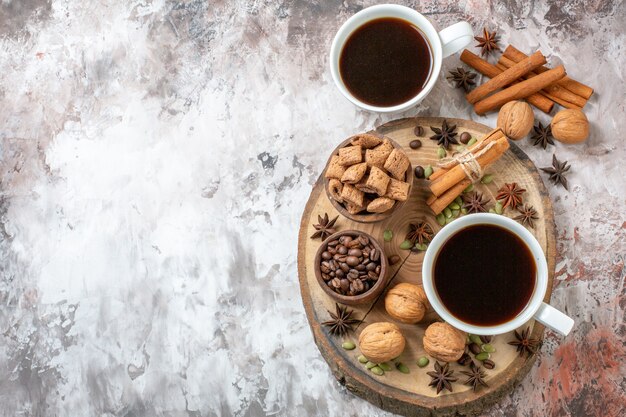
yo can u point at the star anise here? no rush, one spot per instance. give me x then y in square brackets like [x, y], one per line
[476, 376]
[341, 322]
[474, 202]
[557, 172]
[446, 135]
[325, 227]
[542, 135]
[442, 377]
[511, 194]
[488, 42]
[524, 343]
[462, 78]
[527, 216]
[419, 232]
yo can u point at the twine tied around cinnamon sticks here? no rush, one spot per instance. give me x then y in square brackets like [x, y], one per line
[457, 173]
[467, 160]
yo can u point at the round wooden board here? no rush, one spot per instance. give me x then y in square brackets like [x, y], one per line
[409, 394]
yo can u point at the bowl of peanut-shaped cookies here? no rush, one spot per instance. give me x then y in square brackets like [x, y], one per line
[367, 178]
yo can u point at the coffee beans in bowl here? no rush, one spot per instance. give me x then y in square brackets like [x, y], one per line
[350, 267]
[368, 177]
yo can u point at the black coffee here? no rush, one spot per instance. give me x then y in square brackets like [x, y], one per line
[484, 275]
[385, 62]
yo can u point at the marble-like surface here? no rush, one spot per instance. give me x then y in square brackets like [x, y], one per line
[155, 158]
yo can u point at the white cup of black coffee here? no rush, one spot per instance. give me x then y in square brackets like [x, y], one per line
[387, 58]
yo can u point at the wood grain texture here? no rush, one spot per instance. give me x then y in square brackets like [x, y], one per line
[409, 394]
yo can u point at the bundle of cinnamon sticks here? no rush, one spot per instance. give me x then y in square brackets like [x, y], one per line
[448, 183]
[519, 76]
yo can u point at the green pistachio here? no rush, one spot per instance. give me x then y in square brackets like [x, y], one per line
[402, 368]
[378, 371]
[406, 244]
[488, 348]
[385, 366]
[423, 361]
[441, 219]
[476, 339]
[348, 345]
[363, 359]
[487, 179]
[441, 153]
[428, 171]
[387, 235]
[483, 356]
[469, 188]
[471, 142]
[498, 208]
[370, 365]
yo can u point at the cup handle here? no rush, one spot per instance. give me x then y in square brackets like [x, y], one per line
[554, 319]
[455, 37]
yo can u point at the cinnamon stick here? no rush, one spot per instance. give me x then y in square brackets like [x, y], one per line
[554, 92]
[519, 90]
[508, 76]
[456, 174]
[566, 82]
[489, 137]
[438, 204]
[541, 102]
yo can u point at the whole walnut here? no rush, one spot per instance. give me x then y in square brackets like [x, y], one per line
[381, 342]
[406, 302]
[570, 126]
[516, 118]
[443, 342]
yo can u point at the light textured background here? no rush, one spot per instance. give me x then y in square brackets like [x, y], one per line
[155, 159]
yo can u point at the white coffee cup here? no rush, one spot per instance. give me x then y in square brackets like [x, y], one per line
[535, 308]
[442, 44]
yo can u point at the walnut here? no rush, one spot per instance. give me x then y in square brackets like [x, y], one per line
[381, 342]
[570, 126]
[443, 342]
[406, 302]
[516, 118]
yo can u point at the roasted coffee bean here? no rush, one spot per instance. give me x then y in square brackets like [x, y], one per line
[352, 260]
[326, 255]
[324, 269]
[360, 267]
[465, 137]
[357, 286]
[371, 266]
[332, 251]
[355, 252]
[342, 250]
[375, 255]
[332, 264]
[344, 267]
[353, 274]
[325, 277]
[367, 286]
[486, 339]
[464, 360]
[336, 283]
[332, 274]
[489, 364]
[394, 259]
[333, 243]
[339, 273]
[418, 131]
[378, 269]
[345, 284]
[415, 144]
[373, 276]
[354, 244]
[345, 239]
[364, 240]
[475, 348]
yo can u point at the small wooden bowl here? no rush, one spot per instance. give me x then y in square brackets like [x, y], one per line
[365, 217]
[365, 297]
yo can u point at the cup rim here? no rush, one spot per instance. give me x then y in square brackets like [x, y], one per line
[541, 280]
[377, 12]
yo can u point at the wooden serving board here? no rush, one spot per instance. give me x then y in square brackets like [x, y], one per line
[409, 394]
